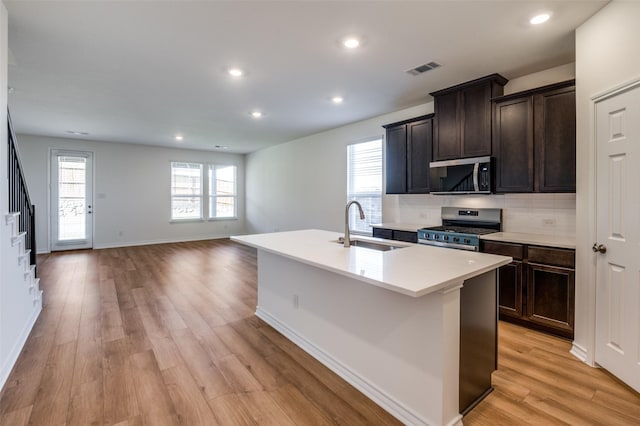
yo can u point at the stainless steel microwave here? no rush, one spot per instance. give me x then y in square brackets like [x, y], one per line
[463, 176]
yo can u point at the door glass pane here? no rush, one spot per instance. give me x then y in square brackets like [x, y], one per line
[72, 198]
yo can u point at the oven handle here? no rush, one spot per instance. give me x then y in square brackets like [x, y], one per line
[448, 245]
[476, 168]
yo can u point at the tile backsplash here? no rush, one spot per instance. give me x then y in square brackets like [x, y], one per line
[549, 214]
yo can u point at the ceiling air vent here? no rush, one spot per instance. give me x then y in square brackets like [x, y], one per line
[423, 68]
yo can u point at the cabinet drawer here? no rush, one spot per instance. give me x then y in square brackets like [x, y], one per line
[407, 236]
[516, 251]
[383, 233]
[552, 256]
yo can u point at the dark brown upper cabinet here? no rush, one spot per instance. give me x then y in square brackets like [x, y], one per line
[463, 118]
[534, 140]
[554, 119]
[408, 154]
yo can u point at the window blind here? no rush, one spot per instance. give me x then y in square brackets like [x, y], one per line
[364, 183]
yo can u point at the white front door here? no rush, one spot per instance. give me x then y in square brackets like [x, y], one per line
[618, 232]
[71, 200]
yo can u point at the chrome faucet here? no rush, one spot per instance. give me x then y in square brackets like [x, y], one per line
[347, 239]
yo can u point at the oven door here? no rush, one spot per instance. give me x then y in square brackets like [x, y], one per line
[448, 245]
[464, 176]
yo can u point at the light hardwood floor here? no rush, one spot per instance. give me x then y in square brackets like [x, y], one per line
[166, 334]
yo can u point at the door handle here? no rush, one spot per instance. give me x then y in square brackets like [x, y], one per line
[599, 248]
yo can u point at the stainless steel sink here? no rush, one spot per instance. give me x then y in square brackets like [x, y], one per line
[371, 245]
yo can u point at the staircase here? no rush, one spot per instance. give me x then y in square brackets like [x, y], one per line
[23, 256]
[20, 294]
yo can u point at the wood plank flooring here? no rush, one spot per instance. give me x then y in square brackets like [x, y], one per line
[165, 334]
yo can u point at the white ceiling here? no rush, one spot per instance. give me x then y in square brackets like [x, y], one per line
[144, 71]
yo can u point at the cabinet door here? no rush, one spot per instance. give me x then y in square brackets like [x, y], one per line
[555, 140]
[550, 297]
[396, 160]
[419, 141]
[513, 145]
[446, 140]
[475, 120]
[510, 289]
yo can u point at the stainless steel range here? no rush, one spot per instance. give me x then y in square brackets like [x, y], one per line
[461, 228]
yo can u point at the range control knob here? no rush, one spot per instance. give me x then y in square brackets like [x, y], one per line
[467, 241]
[456, 239]
[446, 238]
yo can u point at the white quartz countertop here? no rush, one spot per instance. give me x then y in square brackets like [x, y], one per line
[414, 270]
[534, 239]
[409, 227]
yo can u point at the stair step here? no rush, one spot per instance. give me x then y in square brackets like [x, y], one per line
[31, 272]
[25, 256]
[34, 288]
[18, 239]
[11, 217]
[38, 297]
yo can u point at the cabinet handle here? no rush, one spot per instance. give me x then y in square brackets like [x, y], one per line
[599, 248]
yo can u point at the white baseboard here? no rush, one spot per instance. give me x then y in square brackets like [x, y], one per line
[394, 407]
[17, 347]
[579, 352]
[161, 241]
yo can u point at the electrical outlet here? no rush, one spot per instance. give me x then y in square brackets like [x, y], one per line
[549, 222]
[295, 301]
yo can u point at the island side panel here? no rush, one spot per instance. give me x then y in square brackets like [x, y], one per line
[400, 351]
[478, 339]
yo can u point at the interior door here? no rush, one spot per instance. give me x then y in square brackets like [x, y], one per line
[618, 232]
[71, 200]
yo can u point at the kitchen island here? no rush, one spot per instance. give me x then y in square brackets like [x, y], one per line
[388, 322]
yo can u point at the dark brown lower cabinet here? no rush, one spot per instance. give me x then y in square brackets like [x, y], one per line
[550, 297]
[510, 289]
[537, 289]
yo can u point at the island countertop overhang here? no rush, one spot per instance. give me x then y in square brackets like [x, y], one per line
[415, 270]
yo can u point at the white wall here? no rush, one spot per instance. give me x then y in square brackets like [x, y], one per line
[302, 184]
[542, 78]
[131, 191]
[607, 47]
[5, 345]
[18, 311]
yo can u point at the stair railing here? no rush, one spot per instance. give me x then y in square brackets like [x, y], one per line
[19, 200]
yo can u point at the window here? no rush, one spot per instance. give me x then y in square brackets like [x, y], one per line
[364, 183]
[186, 191]
[222, 191]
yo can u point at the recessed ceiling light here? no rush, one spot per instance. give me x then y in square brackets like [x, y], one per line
[256, 114]
[236, 72]
[222, 147]
[351, 42]
[540, 19]
[74, 132]
[337, 99]
[179, 137]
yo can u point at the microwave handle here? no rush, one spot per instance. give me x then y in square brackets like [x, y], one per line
[476, 168]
